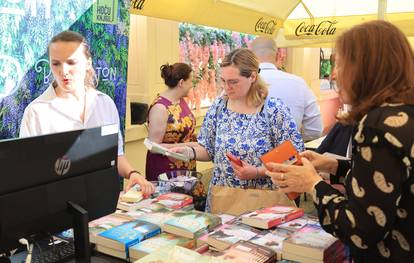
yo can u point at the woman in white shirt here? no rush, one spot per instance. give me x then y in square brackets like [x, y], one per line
[72, 102]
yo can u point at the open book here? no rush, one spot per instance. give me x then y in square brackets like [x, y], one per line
[156, 148]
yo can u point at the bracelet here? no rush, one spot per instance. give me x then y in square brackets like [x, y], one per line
[132, 172]
[194, 152]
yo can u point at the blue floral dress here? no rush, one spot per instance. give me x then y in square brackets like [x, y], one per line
[247, 136]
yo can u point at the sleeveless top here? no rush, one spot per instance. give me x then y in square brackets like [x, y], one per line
[180, 129]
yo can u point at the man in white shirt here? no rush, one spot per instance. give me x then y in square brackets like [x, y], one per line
[291, 89]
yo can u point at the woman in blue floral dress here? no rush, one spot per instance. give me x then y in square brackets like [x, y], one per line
[244, 123]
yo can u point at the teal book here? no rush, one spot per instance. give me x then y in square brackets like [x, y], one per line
[191, 224]
[129, 234]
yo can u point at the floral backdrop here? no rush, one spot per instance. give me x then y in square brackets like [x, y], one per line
[26, 26]
[203, 48]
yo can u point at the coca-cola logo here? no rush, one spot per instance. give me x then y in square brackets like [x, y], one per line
[324, 28]
[265, 26]
[62, 165]
[137, 4]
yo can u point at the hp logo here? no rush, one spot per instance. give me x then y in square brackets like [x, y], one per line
[62, 165]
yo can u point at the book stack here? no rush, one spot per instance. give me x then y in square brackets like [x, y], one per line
[228, 234]
[312, 244]
[248, 252]
[174, 200]
[121, 237]
[270, 217]
[133, 206]
[191, 224]
[272, 239]
[160, 241]
[177, 254]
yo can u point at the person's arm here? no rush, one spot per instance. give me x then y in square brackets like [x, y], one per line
[312, 121]
[368, 213]
[157, 123]
[192, 150]
[126, 170]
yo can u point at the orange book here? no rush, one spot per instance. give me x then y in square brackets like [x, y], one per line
[285, 153]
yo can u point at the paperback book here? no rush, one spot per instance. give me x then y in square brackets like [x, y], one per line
[128, 234]
[272, 239]
[285, 153]
[272, 216]
[311, 242]
[223, 237]
[174, 200]
[192, 224]
[248, 252]
[177, 254]
[157, 148]
[102, 224]
[162, 240]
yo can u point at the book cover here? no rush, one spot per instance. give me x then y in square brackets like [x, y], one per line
[174, 200]
[102, 224]
[245, 251]
[157, 148]
[129, 234]
[133, 206]
[272, 216]
[272, 239]
[285, 153]
[192, 224]
[159, 218]
[133, 195]
[311, 241]
[131, 215]
[162, 240]
[223, 237]
[177, 254]
[295, 224]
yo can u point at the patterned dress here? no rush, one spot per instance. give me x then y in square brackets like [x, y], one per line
[180, 129]
[376, 216]
[247, 136]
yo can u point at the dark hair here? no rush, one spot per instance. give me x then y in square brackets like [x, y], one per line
[380, 63]
[247, 63]
[71, 36]
[172, 74]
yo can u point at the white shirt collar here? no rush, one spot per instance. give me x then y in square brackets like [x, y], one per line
[49, 96]
[267, 65]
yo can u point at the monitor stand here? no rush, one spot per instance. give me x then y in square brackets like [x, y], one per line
[80, 232]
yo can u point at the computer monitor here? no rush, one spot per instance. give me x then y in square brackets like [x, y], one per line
[40, 176]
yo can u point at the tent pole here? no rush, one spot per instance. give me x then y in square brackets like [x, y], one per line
[382, 9]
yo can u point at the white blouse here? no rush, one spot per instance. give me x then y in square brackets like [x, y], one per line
[47, 114]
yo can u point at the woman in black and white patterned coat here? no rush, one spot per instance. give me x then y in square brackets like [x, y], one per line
[375, 74]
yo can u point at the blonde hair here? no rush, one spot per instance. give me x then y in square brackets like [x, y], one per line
[247, 63]
[91, 79]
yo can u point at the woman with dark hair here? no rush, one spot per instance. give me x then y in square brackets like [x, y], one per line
[375, 75]
[170, 120]
[73, 102]
[243, 122]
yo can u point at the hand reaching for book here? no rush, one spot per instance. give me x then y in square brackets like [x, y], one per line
[147, 188]
[293, 178]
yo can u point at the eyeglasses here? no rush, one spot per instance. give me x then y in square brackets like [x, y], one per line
[231, 82]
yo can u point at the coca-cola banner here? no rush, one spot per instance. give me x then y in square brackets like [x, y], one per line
[223, 14]
[26, 27]
[329, 28]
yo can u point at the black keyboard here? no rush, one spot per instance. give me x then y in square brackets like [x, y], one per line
[61, 251]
